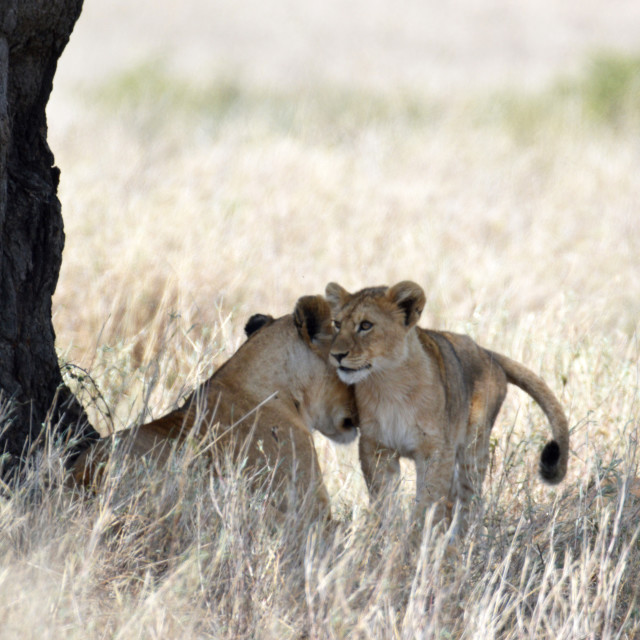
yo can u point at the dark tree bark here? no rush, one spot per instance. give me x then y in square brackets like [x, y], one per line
[33, 34]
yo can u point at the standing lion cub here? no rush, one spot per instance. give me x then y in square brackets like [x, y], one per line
[431, 396]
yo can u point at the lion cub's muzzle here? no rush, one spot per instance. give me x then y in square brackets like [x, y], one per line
[349, 375]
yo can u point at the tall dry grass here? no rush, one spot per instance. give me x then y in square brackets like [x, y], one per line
[180, 553]
[190, 203]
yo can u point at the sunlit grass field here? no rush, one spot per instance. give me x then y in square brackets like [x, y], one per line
[190, 204]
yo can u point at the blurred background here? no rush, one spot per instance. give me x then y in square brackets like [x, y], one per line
[223, 158]
[428, 46]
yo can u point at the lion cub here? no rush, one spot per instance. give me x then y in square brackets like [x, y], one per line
[431, 396]
[260, 407]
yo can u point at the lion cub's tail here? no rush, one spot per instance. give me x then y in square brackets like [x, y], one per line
[555, 455]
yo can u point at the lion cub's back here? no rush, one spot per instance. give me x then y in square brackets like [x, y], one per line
[466, 369]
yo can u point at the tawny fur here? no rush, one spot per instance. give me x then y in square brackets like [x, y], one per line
[282, 369]
[430, 396]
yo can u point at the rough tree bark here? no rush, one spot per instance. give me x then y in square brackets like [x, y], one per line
[33, 34]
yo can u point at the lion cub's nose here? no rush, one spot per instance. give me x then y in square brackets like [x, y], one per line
[348, 423]
[338, 357]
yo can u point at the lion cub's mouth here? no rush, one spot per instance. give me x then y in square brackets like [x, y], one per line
[349, 370]
[351, 376]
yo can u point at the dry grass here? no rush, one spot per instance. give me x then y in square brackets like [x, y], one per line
[192, 201]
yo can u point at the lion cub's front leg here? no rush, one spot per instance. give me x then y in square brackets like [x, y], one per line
[433, 484]
[380, 466]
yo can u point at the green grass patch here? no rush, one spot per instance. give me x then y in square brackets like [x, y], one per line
[328, 109]
[604, 96]
[610, 89]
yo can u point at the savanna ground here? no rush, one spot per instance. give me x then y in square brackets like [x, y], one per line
[222, 159]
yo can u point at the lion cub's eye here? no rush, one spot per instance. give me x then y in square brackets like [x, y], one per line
[365, 325]
[337, 324]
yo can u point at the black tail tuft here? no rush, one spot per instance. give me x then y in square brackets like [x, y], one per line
[549, 459]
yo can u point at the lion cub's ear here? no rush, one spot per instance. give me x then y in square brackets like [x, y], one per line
[410, 298]
[255, 322]
[312, 317]
[336, 295]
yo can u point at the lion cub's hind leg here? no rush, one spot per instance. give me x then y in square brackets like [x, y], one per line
[472, 457]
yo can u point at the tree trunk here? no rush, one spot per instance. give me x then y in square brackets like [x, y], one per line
[33, 34]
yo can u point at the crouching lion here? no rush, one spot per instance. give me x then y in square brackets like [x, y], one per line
[259, 407]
